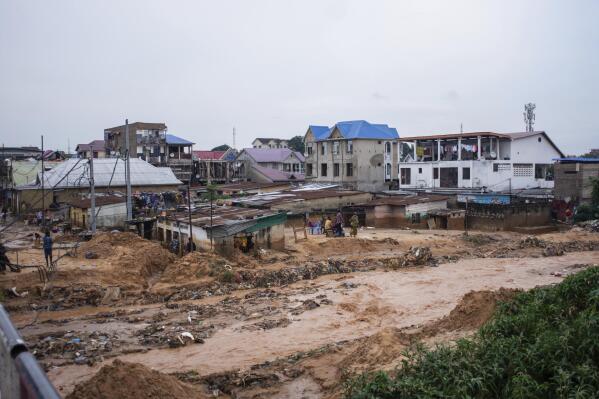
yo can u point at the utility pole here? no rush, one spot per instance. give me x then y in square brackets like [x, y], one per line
[128, 170]
[43, 186]
[189, 197]
[234, 146]
[211, 201]
[92, 189]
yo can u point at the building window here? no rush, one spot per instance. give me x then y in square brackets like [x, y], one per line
[296, 167]
[544, 171]
[349, 169]
[323, 148]
[500, 167]
[435, 173]
[380, 142]
[387, 171]
[350, 147]
[523, 170]
[335, 147]
[323, 169]
[309, 169]
[309, 149]
[387, 147]
[465, 173]
[406, 175]
[419, 171]
[336, 170]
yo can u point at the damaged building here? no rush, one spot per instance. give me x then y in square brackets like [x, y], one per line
[225, 229]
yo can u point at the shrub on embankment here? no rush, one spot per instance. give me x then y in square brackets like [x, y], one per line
[543, 344]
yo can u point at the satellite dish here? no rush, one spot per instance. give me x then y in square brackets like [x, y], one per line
[172, 154]
[493, 154]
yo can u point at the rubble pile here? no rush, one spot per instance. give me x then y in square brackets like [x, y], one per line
[78, 348]
[174, 336]
[415, 256]
[554, 249]
[532, 242]
[590, 225]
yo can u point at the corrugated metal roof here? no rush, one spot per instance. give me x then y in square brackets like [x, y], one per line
[142, 174]
[319, 132]
[175, 140]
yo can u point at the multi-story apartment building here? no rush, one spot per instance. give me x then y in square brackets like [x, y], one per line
[354, 154]
[270, 143]
[152, 143]
[480, 160]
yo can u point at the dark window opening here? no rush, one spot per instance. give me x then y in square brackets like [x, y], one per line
[420, 171]
[323, 169]
[336, 170]
[465, 173]
[435, 173]
[406, 175]
[415, 218]
[309, 169]
[349, 169]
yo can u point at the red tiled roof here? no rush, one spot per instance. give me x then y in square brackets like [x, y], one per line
[209, 155]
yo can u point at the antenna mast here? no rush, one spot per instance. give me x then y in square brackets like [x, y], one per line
[234, 145]
[529, 116]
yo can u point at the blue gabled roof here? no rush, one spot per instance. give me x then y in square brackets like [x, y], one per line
[361, 130]
[320, 132]
[172, 139]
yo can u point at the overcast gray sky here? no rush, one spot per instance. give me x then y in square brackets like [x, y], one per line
[69, 69]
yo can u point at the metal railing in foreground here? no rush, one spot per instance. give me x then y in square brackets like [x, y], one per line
[21, 377]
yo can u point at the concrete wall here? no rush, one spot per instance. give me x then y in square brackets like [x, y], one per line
[368, 159]
[496, 218]
[393, 216]
[573, 181]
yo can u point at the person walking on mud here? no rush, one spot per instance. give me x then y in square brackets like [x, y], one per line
[354, 223]
[191, 246]
[48, 248]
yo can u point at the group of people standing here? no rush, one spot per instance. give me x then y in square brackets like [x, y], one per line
[325, 225]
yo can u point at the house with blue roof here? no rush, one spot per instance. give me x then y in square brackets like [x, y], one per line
[358, 155]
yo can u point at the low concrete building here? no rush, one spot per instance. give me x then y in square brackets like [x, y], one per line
[401, 211]
[225, 229]
[111, 212]
[573, 179]
[71, 178]
[357, 155]
[97, 148]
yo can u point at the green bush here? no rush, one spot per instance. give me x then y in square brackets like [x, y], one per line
[586, 212]
[543, 344]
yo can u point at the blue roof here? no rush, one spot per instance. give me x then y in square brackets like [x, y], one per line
[577, 160]
[362, 130]
[172, 139]
[319, 132]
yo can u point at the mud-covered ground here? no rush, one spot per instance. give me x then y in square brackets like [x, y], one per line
[296, 323]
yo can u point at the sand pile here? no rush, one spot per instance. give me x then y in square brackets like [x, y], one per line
[129, 257]
[473, 310]
[132, 381]
[193, 266]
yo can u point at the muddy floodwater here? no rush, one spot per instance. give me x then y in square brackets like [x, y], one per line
[348, 306]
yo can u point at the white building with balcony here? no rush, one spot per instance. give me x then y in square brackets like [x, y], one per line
[480, 160]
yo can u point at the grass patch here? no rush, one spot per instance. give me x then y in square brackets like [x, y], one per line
[543, 344]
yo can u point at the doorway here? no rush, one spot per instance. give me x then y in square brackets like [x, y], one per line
[449, 177]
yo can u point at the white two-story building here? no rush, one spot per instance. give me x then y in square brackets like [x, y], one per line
[481, 160]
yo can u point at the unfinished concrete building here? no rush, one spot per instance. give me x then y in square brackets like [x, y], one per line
[354, 154]
[573, 179]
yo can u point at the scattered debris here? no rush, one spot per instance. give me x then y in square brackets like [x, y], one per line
[416, 256]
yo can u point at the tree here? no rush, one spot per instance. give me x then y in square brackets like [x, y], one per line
[223, 147]
[297, 144]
